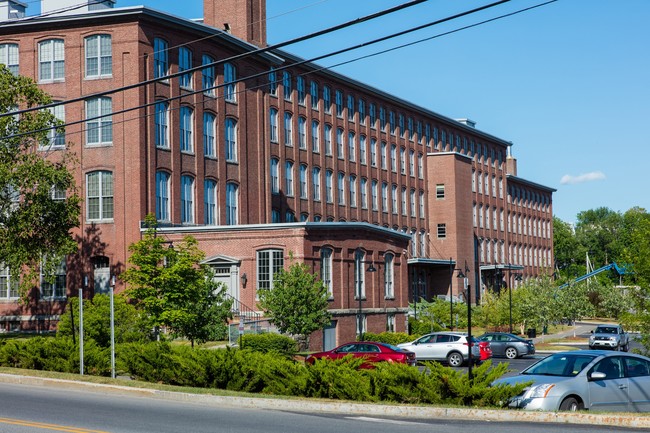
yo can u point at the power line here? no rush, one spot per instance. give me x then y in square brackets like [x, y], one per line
[230, 59]
[377, 53]
[261, 74]
[279, 69]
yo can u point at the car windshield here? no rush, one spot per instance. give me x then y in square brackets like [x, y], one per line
[605, 330]
[560, 364]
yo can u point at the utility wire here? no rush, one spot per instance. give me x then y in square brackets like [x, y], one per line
[398, 47]
[230, 59]
[266, 84]
[264, 73]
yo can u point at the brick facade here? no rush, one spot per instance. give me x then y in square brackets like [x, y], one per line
[365, 167]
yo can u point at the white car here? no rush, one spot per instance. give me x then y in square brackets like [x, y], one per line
[450, 347]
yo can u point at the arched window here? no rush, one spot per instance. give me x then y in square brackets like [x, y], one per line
[326, 270]
[229, 77]
[232, 203]
[99, 196]
[231, 139]
[162, 196]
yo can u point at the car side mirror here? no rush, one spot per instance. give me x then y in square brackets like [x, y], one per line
[592, 331]
[597, 375]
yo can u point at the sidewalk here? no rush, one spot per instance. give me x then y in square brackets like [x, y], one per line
[580, 329]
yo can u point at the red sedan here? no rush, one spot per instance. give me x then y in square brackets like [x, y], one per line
[371, 351]
[485, 350]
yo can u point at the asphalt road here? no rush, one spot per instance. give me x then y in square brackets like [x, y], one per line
[46, 409]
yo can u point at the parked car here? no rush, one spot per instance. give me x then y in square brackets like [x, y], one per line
[585, 379]
[485, 351]
[508, 345]
[371, 351]
[451, 347]
[609, 337]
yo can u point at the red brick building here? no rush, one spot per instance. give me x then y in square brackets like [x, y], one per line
[260, 156]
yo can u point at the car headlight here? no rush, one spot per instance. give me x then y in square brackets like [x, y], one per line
[592, 338]
[540, 391]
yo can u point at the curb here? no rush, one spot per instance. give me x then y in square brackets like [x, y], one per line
[346, 408]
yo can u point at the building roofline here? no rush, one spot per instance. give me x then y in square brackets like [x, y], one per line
[368, 88]
[450, 153]
[280, 226]
[134, 11]
[510, 177]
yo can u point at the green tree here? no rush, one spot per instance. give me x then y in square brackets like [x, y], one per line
[599, 232]
[568, 251]
[130, 325]
[173, 287]
[298, 303]
[33, 224]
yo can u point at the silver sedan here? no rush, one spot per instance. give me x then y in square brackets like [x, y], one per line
[585, 379]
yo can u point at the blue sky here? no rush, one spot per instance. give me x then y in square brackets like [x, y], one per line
[567, 83]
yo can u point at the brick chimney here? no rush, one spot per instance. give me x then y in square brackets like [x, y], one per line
[245, 19]
[511, 162]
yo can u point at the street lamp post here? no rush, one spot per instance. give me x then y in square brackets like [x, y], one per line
[510, 305]
[451, 298]
[371, 268]
[112, 306]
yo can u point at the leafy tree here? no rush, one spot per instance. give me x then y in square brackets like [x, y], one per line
[33, 224]
[298, 303]
[568, 251]
[599, 231]
[130, 326]
[174, 289]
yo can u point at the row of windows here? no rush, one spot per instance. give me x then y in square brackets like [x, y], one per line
[529, 226]
[161, 66]
[188, 200]
[9, 282]
[527, 198]
[368, 150]
[481, 218]
[493, 251]
[187, 135]
[389, 121]
[270, 262]
[51, 58]
[350, 190]
[482, 182]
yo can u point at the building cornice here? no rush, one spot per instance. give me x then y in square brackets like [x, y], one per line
[133, 13]
[330, 226]
[511, 178]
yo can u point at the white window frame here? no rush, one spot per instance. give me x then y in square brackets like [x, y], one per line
[99, 56]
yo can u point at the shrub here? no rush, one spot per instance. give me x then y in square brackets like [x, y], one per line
[160, 363]
[456, 388]
[402, 384]
[338, 379]
[270, 343]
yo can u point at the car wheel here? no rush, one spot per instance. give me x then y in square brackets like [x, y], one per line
[455, 359]
[626, 348]
[571, 404]
[511, 353]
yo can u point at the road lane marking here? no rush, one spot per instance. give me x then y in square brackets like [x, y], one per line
[385, 421]
[45, 426]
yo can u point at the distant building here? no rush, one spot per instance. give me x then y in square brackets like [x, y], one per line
[292, 160]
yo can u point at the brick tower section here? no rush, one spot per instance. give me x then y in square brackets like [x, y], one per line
[245, 19]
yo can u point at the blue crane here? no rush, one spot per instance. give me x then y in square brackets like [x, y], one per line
[620, 270]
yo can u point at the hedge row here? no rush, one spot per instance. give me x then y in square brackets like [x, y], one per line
[270, 373]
